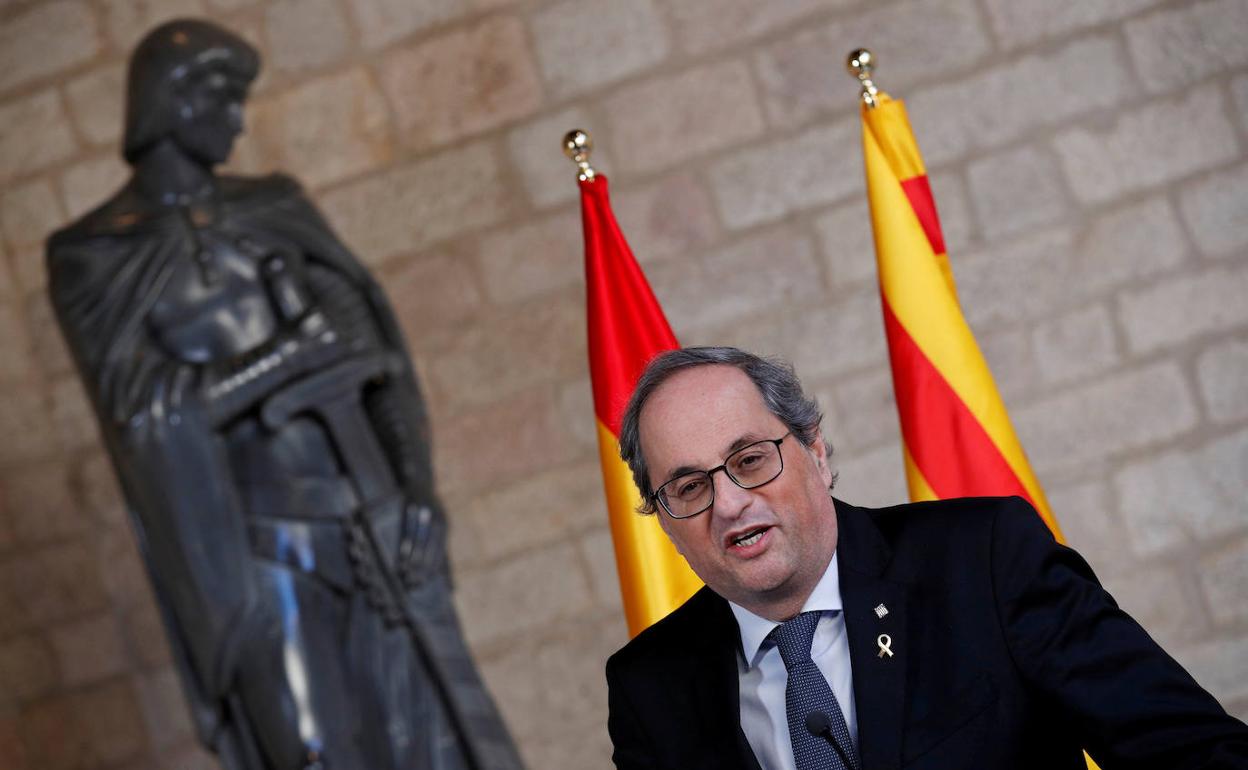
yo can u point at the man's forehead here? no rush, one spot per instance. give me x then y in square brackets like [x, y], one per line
[700, 414]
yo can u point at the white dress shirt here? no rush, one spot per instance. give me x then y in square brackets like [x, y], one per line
[762, 677]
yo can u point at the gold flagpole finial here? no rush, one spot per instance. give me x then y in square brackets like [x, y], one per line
[577, 145]
[861, 63]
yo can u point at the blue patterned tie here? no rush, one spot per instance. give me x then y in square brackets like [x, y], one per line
[808, 692]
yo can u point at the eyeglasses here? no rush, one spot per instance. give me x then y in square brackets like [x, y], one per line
[750, 466]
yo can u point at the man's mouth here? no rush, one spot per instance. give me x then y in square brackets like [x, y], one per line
[748, 538]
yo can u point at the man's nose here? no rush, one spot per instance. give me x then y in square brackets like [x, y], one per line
[730, 499]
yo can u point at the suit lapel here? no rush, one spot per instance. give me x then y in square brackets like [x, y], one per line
[879, 678]
[717, 690]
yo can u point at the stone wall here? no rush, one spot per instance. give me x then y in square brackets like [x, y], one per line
[1091, 165]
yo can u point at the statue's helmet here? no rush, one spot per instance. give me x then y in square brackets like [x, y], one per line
[167, 57]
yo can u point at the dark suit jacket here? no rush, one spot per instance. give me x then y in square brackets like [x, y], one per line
[1007, 653]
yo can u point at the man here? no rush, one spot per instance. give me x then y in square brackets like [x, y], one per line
[936, 635]
[251, 386]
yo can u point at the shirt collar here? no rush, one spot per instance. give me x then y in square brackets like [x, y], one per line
[754, 629]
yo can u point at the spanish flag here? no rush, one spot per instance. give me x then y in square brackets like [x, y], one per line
[626, 329]
[957, 438]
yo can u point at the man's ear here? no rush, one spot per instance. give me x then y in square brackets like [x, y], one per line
[819, 450]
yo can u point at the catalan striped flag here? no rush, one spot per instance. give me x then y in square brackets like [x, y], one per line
[957, 438]
[626, 329]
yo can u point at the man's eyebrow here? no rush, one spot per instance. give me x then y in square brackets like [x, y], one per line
[744, 441]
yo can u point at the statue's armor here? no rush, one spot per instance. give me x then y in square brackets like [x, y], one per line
[315, 569]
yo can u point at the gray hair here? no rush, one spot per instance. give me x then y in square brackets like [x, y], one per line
[776, 382]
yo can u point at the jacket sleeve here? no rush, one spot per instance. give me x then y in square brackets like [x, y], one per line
[1132, 704]
[633, 749]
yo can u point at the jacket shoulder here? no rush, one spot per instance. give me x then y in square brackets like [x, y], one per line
[686, 629]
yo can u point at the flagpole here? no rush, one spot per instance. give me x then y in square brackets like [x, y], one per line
[578, 145]
[861, 63]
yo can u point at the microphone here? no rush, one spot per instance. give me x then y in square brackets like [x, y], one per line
[819, 725]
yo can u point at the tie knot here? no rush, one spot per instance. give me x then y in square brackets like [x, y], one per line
[794, 636]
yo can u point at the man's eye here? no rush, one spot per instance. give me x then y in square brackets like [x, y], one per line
[749, 460]
[689, 489]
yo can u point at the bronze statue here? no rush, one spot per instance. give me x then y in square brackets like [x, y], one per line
[252, 388]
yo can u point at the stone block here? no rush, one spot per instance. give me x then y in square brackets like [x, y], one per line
[407, 208]
[305, 34]
[1011, 359]
[97, 727]
[1017, 24]
[922, 40]
[164, 708]
[598, 551]
[1219, 665]
[1198, 495]
[530, 591]
[16, 363]
[31, 272]
[47, 345]
[1224, 579]
[1177, 46]
[573, 670]
[508, 440]
[1100, 420]
[1239, 92]
[1086, 513]
[574, 401]
[127, 21]
[461, 83]
[829, 339]
[557, 503]
[97, 104]
[145, 634]
[1075, 345]
[1156, 598]
[45, 39]
[664, 123]
[1009, 100]
[381, 22]
[40, 503]
[29, 213]
[27, 669]
[324, 130]
[121, 569]
[671, 218]
[704, 25]
[819, 166]
[1158, 143]
[99, 492]
[72, 416]
[1016, 190]
[1179, 309]
[1216, 212]
[89, 183]
[532, 259]
[533, 344]
[847, 244]
[52, 583]
[36, 134]
[1222, 371]
[751, 275]
[1040, 274]
[584, 44]
[536, 151]
[24, 413]
[435, 289]
[870, 477]
[89, 650]
[866, 409]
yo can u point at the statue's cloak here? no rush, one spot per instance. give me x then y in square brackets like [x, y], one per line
[106, 272]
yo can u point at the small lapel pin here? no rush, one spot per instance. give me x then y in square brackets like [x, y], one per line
[881, 611]
[886, 643]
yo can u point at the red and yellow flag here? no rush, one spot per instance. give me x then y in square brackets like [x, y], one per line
[626, 329]
[957, 438]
